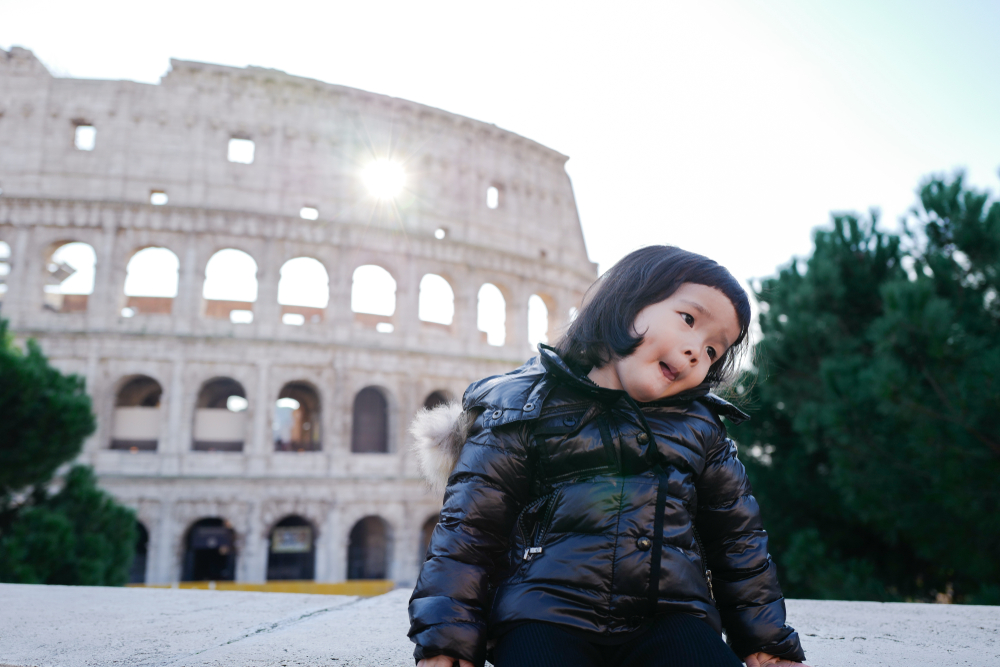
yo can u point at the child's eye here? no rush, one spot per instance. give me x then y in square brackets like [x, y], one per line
[712, 354]
[688, 319]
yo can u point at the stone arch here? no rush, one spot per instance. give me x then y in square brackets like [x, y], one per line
[291, 553]
[5, 253]
[303, 291]
[436, 398]
[230, 287]
[426, 531]
[136, 425]
[370, 421]
[373, 297]
[220, 416]
[151, 279]
[491, 314]
[368, 549]
[297, 418]
[137, 571]
[209, 551]
[540, 311]
[70, 269]
[436, 302]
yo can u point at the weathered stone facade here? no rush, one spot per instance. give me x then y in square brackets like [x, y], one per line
[311, 140]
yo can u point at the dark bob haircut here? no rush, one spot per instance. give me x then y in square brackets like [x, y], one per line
[604, 331]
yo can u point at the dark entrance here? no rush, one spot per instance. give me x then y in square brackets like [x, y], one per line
[367, 550]
[211, 552]
[137, 573]
[434, 399]
[292, 553]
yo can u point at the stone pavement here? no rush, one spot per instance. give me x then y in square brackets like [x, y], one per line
[42, 626]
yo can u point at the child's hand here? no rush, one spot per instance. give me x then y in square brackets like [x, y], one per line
[760, 660]
[445, 661]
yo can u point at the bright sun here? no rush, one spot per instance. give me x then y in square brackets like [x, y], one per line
[384, 178]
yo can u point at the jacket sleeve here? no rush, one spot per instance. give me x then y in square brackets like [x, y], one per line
[485, 492]
[744, 577]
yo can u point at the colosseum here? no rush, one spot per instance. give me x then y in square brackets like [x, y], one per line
[262, 278]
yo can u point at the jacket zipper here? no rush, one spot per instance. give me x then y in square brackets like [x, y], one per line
[704, 560]
[535, 547]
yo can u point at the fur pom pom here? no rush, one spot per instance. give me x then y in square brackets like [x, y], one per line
[438, 436]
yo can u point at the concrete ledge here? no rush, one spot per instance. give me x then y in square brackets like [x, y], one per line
[43, 626]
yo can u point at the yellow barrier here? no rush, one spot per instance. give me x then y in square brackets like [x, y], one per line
[365, 588]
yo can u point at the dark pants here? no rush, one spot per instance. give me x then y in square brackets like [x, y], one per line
[676, 640]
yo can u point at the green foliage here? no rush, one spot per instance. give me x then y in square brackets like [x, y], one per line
[875, 447]
[78, 535]
[46, 416]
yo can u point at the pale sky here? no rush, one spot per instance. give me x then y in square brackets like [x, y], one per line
[728, 128]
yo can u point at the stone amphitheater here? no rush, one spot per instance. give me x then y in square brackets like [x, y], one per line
[260, 433]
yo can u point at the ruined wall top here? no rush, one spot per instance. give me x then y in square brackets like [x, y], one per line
[311, 139]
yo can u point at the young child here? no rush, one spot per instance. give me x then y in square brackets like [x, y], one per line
[595, 512]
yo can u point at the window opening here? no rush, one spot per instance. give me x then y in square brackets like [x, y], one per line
[137, 415]
[70, 278]
[303, 291]
[384, 178]
[437, 300]
[296, 423]
[230, 288]
[491, 317]
[435, 399]
[210, 552]
[367, 549]
[241, 150]
[538, 321]
[440, 233]
[151, 279]
[137, 573]
[291, 554]
[373, 296]
[158, 198]
[309, 213]
[85, 137]
[492, 197]
[220, 416]
[370, 423]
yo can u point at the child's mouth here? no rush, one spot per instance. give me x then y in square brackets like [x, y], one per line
[667, 373]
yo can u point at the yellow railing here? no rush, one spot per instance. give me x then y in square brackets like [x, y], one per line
[365, 588]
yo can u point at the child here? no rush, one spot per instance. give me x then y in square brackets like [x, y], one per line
[595, 511]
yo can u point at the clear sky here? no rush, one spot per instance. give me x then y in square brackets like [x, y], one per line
[731, 128]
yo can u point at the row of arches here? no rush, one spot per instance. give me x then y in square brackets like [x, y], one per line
[210, 550]
[230, 290]
[220, 417]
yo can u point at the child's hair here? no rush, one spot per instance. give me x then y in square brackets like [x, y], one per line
[603, 330]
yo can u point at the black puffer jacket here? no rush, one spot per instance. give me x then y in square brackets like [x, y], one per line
[573, 505]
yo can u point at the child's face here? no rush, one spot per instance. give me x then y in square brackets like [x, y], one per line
[683, 336]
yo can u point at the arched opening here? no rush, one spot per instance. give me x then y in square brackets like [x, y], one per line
[151, 279]
[210, 552]
[538, 321]
[69, 277]
[292, 554]
[437, 301]
[137, 415]
[373, 297]
[230, 288]
[4, 268]
[491, 317]
[296, 425]
[303, 291]
[370, 424]
[436, 398]
[137, 573]
[426, 531]
[368, 549]
[220, 416]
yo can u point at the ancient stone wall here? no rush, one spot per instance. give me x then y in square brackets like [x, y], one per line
[123, 166]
